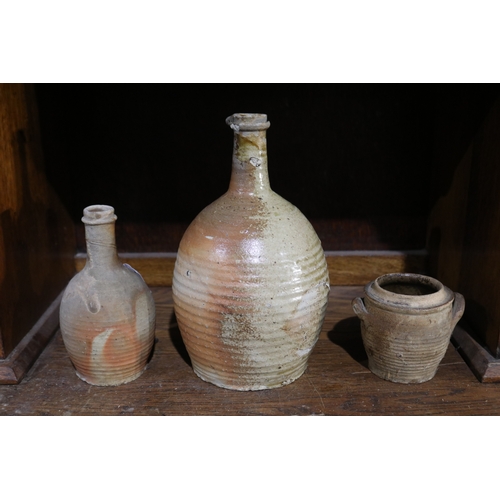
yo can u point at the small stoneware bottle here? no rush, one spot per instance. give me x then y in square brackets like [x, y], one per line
[406, 324]
[107, 313]
[250, 281]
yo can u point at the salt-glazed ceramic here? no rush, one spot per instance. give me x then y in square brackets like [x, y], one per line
[250, 282]
[107, 313]
[406, 324]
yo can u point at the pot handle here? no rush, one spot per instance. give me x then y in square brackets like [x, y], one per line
[458, 308]
[359, 308]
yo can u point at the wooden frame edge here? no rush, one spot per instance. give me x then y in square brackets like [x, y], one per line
[481, 362]
[17, 364]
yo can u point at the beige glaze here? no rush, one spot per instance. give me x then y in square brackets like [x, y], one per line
[107, 313]
[406, 324]
[250, 281]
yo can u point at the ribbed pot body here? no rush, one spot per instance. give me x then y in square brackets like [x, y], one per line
[406, 336]
[107, 317]
[250, 283]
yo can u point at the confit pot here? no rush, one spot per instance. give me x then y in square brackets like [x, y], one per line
[406, 325]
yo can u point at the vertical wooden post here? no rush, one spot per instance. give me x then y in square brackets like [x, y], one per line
[464, 243]
[37, 242]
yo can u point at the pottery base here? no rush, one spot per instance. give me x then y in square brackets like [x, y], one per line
[400, 380]
[257, 386]
[112, 384]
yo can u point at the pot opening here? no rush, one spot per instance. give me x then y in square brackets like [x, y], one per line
[409, 290]
[412, 288]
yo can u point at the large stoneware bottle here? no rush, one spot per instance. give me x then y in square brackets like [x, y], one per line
[107, 313]
[250, 281]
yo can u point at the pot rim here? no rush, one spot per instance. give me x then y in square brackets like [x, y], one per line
[441, 297]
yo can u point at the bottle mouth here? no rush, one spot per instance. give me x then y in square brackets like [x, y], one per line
[240, 122]
[98, 214]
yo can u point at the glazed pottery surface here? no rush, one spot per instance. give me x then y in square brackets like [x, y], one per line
[250, 281]
[406, 324]
[107, 313]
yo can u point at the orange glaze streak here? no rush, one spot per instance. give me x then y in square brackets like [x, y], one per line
[123, 353]
[228, 248]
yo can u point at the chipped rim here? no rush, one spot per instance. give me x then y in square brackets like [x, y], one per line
[241, 122]
[98, 214]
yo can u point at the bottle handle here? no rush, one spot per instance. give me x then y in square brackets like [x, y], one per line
[359, 308]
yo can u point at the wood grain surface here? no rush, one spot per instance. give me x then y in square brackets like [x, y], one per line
[485, 366]
[480, 270]
[337, 381]
[37, 242]
[17, 364]
[464, 242]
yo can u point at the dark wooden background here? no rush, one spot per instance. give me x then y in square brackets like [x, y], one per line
[358, 160]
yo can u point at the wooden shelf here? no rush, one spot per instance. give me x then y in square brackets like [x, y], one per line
[337, 381]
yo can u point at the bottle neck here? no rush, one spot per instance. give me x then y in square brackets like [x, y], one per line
[101, 246]
[249, 174]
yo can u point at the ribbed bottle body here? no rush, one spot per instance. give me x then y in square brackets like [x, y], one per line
[250, 292]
